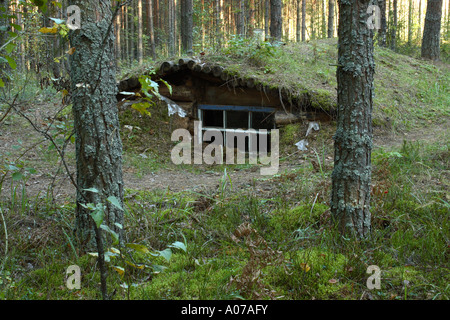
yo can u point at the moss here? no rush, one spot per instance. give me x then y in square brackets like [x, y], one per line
[298, 217]
[311, 273]
[322, 100]
[290, 134]
[186, 279]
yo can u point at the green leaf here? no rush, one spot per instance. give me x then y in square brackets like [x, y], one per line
[16, 26]
[113, 234]
[179, 245]
[2, 84]
[166, 254]
[142, 108]
[167, 85]
[115, 202]
[158, 268]
[31, 170]
[119, 270]
[94, 190]
[11, 62]
[57, 21]
[10, 47]
[98, 214]
[137, 247]
[16, 176]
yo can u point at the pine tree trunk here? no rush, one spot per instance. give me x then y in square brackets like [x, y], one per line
[171, 19]
[140, 33]
[186, 26]
[266, 18]
[96, 124]
[350, 200]
[394, 25]
[383, 26]
[151, 29]
[330, 31]
[303, 20]
[298, 23]
[240, 23]
[276, 24]
[432, 30]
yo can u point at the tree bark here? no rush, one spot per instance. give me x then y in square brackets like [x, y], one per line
[151, 29]
[187, 26]
[383, 26]
[393, 43]
[303, 20]
[97, 131]
[171, 19]
[350, 199]
[432, 30]
[276, 23]
[140, 33]
[266, 18]
[240, 23]
[330, 31]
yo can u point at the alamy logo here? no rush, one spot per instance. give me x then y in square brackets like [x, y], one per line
[257, 142]
[74, 280]
[74, 19]
[374, 21]
[374, 281]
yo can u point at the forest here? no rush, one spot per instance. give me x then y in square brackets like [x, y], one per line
[224, 150]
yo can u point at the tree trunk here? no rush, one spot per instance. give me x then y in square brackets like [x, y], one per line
[187, 26]
[140, 33]
[276, 23]
[393, 43]
[350, 200]
[410, 21]
[330, 30]
[383, 26]
[303, 20]
[432, 30]
[240, 23]
[298, 23]
[151, 29]
[118, 32]
[266, 18]
[97, 131]
[171, 25]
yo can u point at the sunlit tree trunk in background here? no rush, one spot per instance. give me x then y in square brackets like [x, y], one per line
[303, 20]
[298, 25]
[140, 33]
[171, 25]
[151, 29]
[432, 30]
[350, 199]
[410, 21]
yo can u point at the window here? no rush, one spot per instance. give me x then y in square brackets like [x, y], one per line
[238, 119]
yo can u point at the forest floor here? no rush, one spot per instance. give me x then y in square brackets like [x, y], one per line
[285, 216]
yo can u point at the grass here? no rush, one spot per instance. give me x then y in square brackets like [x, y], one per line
[409, 241]
[274, 238]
